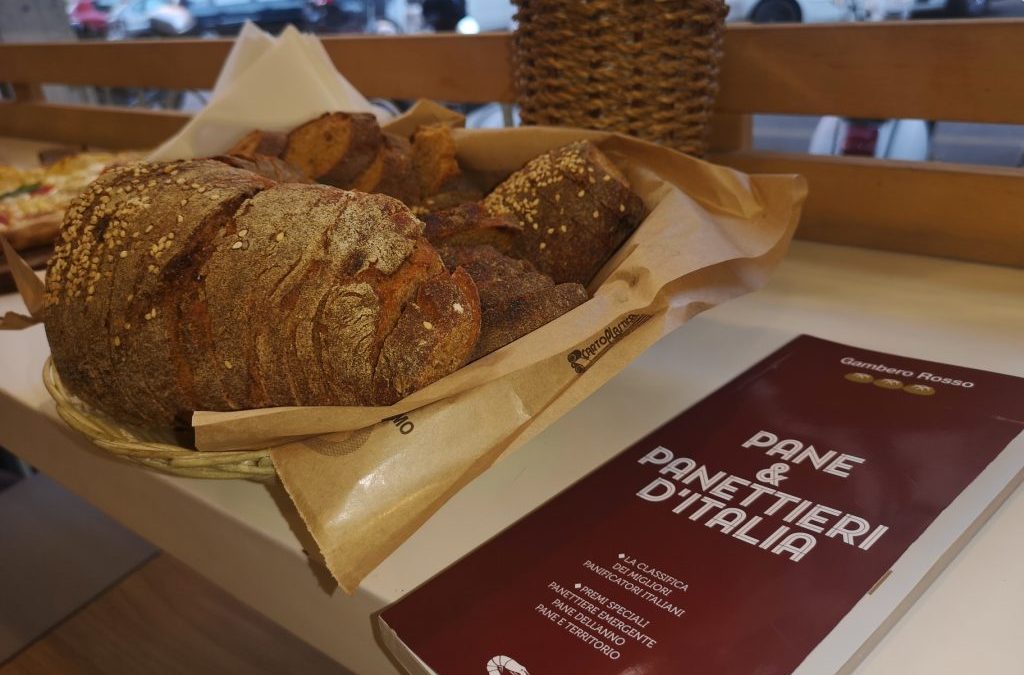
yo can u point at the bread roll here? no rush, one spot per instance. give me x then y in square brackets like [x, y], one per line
[576, 208]
[194, 285]
[514, 297]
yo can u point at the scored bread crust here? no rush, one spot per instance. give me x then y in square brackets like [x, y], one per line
[515, 298]
[195, 285]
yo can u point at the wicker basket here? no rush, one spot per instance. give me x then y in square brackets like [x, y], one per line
[149, 449]
[644, 68]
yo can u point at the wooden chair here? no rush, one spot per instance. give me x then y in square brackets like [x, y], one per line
[967, 71]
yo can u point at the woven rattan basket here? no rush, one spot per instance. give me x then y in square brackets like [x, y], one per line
[150, 450]
[645, 68]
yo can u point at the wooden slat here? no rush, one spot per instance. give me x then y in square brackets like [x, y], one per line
[947, 210]
[442, 67]
[939, 70]
[99, 126]
[949, 70]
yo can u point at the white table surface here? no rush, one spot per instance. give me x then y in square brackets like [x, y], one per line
[233, 532]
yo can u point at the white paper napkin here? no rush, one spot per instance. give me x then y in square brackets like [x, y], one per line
[266, 83]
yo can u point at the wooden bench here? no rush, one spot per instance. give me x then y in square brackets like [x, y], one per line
[936, 70]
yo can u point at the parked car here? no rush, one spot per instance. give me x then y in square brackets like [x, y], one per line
[90, 18]
[967, 8]
[789, 11]
[226, 17]
[382, 17]
[133, 19]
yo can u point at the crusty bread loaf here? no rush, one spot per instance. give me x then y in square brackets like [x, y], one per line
[259, 142]
[470, 224]
[576, 208]
[514, 297]
[434, 158]
[195, 285]
[391, 172]
[335, 148]
[273, 168]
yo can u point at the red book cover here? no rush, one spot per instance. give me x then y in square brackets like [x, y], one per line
[777, 526]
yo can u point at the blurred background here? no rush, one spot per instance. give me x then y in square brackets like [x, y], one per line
[998, 145]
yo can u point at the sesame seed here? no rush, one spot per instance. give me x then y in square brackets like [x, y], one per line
[622, 208]
[184, 201]
[551, 230]
[149, 229]
[581, 193]
[227, 364]
[127, 326]
[428, 325]
[237, 245]
[117, 341]
[596, 213]
[181, 218]
[543, 246]
[458, 308]
[279, 236]
[563, 228]
[123, 254]
[243, 232]
[606, 178]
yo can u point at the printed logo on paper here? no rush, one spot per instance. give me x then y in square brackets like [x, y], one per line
[505, 665]
[583, 358]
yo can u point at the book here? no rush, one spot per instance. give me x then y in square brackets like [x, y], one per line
[780, 525]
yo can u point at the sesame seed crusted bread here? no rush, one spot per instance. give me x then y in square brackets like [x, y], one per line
[514, 297]
[469, 224]
[576, 208]
[196, 285]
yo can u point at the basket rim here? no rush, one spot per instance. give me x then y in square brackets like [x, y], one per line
[122, 443]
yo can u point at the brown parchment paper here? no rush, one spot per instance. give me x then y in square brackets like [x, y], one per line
[711, 234]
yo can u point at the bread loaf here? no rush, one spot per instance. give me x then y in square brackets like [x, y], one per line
[335, 148]
[259, 142]
[391, 172]
[434, 158]
[196, 285]
[471, 224]
[273, 168]
[514, 297]
[576, 208]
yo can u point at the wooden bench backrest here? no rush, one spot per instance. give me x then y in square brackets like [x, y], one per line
[937, 70]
